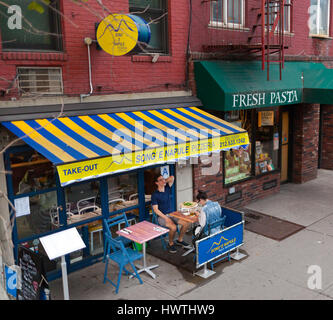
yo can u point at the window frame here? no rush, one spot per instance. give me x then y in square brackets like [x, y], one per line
[318, 34]
[164, 35]
[56, 27]
[252, 139]
[289, 21]
[224, 22]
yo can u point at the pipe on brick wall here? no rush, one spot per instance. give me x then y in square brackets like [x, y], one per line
[88, 42]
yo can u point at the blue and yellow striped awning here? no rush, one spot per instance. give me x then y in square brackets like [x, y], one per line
[83, 147]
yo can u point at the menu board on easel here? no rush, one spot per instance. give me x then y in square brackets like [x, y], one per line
[32, 274]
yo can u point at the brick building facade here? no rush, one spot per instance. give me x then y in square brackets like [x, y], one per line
[42, 75]
[110, 75]
[163, 75]
[216, 39]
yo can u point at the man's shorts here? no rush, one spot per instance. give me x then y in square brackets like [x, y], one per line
[161, 221]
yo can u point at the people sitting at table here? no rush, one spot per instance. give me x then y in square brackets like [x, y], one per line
[210, 212]
[161, 204]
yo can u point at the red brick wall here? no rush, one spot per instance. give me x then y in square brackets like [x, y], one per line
[299, 42]
[327, 137]
[305, 144]
[251, 189]
[109, 74]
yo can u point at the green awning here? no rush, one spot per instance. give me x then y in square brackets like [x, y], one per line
[318, 86]
[234, 85]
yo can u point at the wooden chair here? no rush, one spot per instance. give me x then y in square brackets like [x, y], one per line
[93, 228]
[54, 216]
[87, 202]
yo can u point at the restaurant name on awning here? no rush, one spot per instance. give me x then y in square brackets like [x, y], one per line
[264, 98]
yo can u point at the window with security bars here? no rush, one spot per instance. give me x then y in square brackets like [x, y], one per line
[40, 80]
[273, 11]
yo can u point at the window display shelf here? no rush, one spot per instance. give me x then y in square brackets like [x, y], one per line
[30, 163]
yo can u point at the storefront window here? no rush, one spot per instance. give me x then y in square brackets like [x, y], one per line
[267, 142]
[150, 186]
[123, 192]
[34, 214]
[263, 131]
[237, 162]
[31, 172]
[82, 196]
[33, 182]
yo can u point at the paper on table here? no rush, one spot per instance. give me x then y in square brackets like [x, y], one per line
[159, 229]
[22, 206]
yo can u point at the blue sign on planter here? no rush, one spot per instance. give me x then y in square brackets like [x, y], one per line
[214, 246]
[11, 281]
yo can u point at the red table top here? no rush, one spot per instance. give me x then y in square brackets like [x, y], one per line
[143, 232]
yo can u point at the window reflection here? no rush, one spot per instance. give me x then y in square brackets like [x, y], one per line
[82, 199]
[40, 218]
[123, 191]
[32, 176]
[31, 172]
[267, 142]
[237, 162]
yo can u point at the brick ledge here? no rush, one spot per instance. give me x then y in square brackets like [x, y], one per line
[36, 56]
[149, 58]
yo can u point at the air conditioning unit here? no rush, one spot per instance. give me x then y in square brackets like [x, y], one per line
[36, 80]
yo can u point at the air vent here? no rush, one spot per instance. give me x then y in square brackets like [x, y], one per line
[40, 80]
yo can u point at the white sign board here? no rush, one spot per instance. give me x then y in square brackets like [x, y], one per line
[22, 206]
[62, 243]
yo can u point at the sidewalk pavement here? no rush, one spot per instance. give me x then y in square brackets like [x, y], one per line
[272, 269]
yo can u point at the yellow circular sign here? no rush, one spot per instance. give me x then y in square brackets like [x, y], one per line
[117, 34]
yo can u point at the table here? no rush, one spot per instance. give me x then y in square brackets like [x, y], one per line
[191, 219]
[181, 216]
[141, 233]
[80, 217]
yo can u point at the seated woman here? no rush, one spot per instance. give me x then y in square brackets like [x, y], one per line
[210, 212]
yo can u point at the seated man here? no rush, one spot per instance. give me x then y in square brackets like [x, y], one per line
[161, 203]
[210, 212]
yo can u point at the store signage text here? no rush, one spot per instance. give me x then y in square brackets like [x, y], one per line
[120, 162]
[263, 98]
[85, 168]
[220, 243]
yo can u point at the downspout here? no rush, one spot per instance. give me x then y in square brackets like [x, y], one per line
[88, 42]
[187, 71]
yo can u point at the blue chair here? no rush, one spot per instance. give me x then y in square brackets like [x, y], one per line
[114, 221]
[122, 256]
[218, 223]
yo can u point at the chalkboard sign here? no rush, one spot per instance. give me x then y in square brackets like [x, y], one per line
[33, 274]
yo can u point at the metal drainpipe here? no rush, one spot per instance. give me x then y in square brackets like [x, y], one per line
[88, 42]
